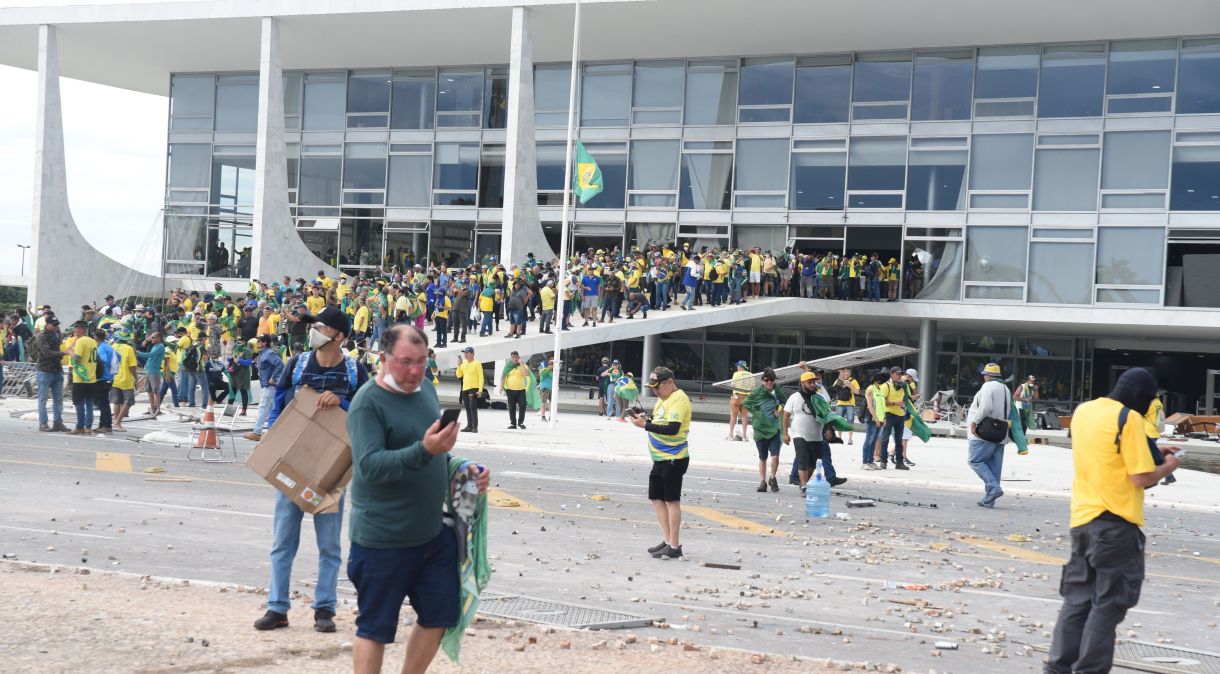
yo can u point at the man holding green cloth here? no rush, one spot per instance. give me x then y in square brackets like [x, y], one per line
[401, 544]
[765, 404]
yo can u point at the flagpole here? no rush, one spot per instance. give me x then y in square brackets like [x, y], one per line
[556, 358]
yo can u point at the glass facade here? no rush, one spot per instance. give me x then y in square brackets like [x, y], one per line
[1040, 174]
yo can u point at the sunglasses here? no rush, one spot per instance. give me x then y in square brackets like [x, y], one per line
[767, 379]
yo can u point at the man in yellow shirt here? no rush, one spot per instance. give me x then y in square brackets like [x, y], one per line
[894, 395]
[668, 445]
[1113, 466]
[316, 302]
[84, 377]
[547, 299]
[360, 324]
[513, 383]
[123, 391]
[755, 270]
[470, 374]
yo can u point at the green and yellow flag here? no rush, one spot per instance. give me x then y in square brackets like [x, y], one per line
[587, 179]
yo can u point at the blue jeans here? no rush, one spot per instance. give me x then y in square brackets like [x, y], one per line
[874, 288]
[180, 394]
[662, 299]
[264, 408]
[871, 430]
[611, 402]
[894, 426]
[169, 385]
[82, 399]
[186, 388]
[987, 461]
[287, 532]
[485, 327]
[689, 300]
[52, 384]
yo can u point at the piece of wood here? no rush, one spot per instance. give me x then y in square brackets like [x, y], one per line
[714, 565]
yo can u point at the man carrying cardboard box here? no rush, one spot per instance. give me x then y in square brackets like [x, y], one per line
[325, 369]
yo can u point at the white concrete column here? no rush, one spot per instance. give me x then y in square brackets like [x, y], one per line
[652, 355]
[65, 270]
[278, 249]
[522, 230]
[927, 358]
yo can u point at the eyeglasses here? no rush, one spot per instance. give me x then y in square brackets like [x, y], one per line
[407, 363]
[768, 379]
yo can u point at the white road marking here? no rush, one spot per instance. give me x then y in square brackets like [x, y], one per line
[539, 476]
[53, 531]
[172, 506]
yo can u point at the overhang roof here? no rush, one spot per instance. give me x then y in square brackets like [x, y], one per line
[136, 46]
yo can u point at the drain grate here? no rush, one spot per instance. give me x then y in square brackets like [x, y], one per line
[562, 614]
[1150, 657]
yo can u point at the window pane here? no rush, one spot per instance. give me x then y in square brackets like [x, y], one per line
[457, 166]
[937, 270]
[605, 95]
[882, 80]
[1150, 296]
[495, 103]
[996, 254]
[191, 96]
[936, 180]
[460, 91]
[1133, 201]
[1199, 81]
[766, 82]
[942, 87]
[364, 166]
[762, 165]
[414, 103]
[1117, 106]
[550, 166]
[1072, 79]
[613, 165]
[766, 237]
[189, 164]
[1060, 273]
[658, 84]
[1135, 160]
[762, 115]
[1196, 178]
[877, 164]
[410, 180]
[292, 94]
[1142, 67]
[705, 181]
[233, 183]
[1130, 255]
[324, 100]
[491, 177]
[1007, 72]
[551, 84]
[1001, 161]
[711, 96]
[237, 106]
[817, 181]
[999, 201]
[1066, 180]
[1011, 293]
[360, 242]
[823, 94]
[368, 92]
[654, 165]
[320, 181]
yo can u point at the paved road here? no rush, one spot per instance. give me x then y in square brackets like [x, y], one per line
[813, 588]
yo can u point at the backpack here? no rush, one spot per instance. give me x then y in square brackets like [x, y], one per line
[191, 360]
[870, 270]
[842, 393]
[352, 373]
[712, 275]
[782, 262]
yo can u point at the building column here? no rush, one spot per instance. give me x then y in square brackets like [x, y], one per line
[521, 229]
[652, 355]
[65, 270]
[278, 249]
[927, 358]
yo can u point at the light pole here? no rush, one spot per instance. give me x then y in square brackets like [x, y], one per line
[23, 249]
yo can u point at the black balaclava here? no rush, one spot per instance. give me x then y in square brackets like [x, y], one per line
[1135, 388]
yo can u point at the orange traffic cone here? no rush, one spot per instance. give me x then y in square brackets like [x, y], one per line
[207, 429]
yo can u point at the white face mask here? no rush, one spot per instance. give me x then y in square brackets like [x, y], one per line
[318, 340]
[391, 382]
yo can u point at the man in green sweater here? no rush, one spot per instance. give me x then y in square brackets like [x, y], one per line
[401, 546]
[766, 403]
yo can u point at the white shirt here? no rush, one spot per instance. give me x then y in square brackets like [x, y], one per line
[804, 424]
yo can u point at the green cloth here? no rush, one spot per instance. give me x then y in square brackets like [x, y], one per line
[1015, 431]
[474, 571]
[586, 176]
[918, 428]
[531, 391]
[821, 412]
[764, 406]
[397, 488]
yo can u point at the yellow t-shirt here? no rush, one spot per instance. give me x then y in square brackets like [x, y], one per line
[273, 324]
[68, 344]
[1154, 418]
[855, 386]
[342, 290]
[170, 364]
[741, 376]
[669, 447]
[316, 304]
[361, 324]
[1102, 469]
[516, 379]
[722, 272]
[487, 303]
[187, 305]
[755, 262]
[470, 372]
[84, 360]
[894, 398]
[124, 378]
[443, 305]
[547, 295]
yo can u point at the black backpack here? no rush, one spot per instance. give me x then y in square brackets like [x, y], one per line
[842, 393]
[870, 269]
[191, 360]
[782, 262]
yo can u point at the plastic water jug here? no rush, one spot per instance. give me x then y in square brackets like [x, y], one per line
[817, 495]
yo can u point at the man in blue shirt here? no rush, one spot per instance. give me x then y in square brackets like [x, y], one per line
[270, 368]
[105, 378]
[590, 282]
[326, 369]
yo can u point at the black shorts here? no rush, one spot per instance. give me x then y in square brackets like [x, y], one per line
[807, 452]
[665, 480]
[427, 574]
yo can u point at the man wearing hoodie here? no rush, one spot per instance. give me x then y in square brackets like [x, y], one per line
[1114, 465]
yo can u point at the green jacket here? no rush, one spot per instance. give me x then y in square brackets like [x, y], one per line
[765, 407]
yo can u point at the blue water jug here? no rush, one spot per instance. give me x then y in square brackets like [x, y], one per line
[817, 495]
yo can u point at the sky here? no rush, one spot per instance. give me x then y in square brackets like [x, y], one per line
[115, 152]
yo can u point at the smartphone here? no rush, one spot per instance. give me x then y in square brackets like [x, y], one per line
[1180, 453]
[450, 416]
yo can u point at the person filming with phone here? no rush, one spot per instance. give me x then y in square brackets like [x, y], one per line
[404, 540]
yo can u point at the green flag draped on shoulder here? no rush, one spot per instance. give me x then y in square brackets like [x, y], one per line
[821, 412]
[918, 428]
[586, 176]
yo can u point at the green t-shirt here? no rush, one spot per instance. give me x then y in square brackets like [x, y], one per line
[397, 488]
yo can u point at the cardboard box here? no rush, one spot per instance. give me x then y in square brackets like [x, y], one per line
[306, 454]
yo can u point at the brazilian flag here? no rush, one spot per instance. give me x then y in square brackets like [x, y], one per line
[587, 178]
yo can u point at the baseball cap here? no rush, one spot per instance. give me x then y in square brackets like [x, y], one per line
[914, 374]
[740, 363]
[659, 375]
[469, 349]
[806, 376]
[331, 318]
[52, 320]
